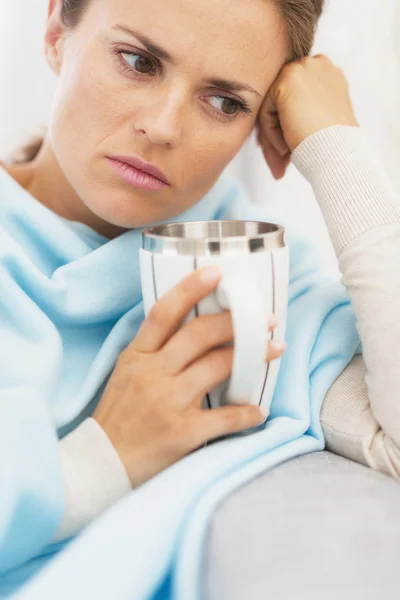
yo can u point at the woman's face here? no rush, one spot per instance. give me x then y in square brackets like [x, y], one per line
[118, 96]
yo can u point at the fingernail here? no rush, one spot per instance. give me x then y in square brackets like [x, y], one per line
[264, 412]
[278, 346]
[211, 274]
[279, 143]
[283, 151]
[273, 321]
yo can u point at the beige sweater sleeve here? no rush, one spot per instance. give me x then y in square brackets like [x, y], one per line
[94, 477]
[361, 412]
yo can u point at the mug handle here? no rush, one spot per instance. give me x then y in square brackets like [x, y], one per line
[244, 298]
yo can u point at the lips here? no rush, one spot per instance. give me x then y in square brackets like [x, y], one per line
[137, 163]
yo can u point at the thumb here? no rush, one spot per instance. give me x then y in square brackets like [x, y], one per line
[269, 126]
[225, 420]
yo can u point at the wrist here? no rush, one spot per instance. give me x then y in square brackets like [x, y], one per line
[297, 138]
[351, 186]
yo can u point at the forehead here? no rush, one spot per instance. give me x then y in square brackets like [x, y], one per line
[237, 38]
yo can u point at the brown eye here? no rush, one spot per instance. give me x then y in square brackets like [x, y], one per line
[139, 62]
[143, 65]
[229, 106]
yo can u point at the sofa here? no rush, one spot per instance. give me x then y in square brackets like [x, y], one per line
[318, 527]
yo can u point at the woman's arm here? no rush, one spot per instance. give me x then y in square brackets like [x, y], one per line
[361, 412]
[308, 117]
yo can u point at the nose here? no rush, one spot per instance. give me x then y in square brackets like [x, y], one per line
[161, 118]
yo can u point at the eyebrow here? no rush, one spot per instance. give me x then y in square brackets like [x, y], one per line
[226, 84]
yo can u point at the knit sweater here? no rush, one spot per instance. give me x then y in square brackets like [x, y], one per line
[361, 411]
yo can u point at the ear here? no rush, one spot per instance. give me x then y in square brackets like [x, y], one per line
[54, 36]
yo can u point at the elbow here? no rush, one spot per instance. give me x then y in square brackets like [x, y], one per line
[383, 454]
[374, 449]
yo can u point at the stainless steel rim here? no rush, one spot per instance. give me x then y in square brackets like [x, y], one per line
[213, 237]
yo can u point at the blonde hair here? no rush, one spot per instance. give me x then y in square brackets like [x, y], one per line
[300, 17]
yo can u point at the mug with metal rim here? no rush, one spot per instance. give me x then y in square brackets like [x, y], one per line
[228, 243]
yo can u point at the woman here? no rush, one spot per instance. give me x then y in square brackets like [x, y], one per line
[125, 90]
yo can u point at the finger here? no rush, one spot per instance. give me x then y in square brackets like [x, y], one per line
[196, 338]
[167, 314]
[284, 165]
[268, 113]
[211, 369]
[199, 336]
[322, 57]
[199, 378]
[272, 322]
[202, 377]
[275, 350]
[276, 163]
[277, 140]
[226, 420]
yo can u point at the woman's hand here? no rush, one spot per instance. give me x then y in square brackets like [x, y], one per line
[308, 95]
[151, 409]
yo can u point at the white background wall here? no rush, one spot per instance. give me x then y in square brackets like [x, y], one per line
[361, 36]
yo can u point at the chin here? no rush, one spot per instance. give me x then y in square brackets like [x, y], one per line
[120, 214]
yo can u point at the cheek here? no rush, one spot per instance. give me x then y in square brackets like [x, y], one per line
[203, 162]
[210, 153]
[82, 111]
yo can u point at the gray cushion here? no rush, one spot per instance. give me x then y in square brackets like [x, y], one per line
[317, 527]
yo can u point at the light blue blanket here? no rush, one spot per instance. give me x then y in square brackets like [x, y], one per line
[70, 302]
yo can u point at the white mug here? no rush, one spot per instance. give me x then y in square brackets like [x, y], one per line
[254, 260]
